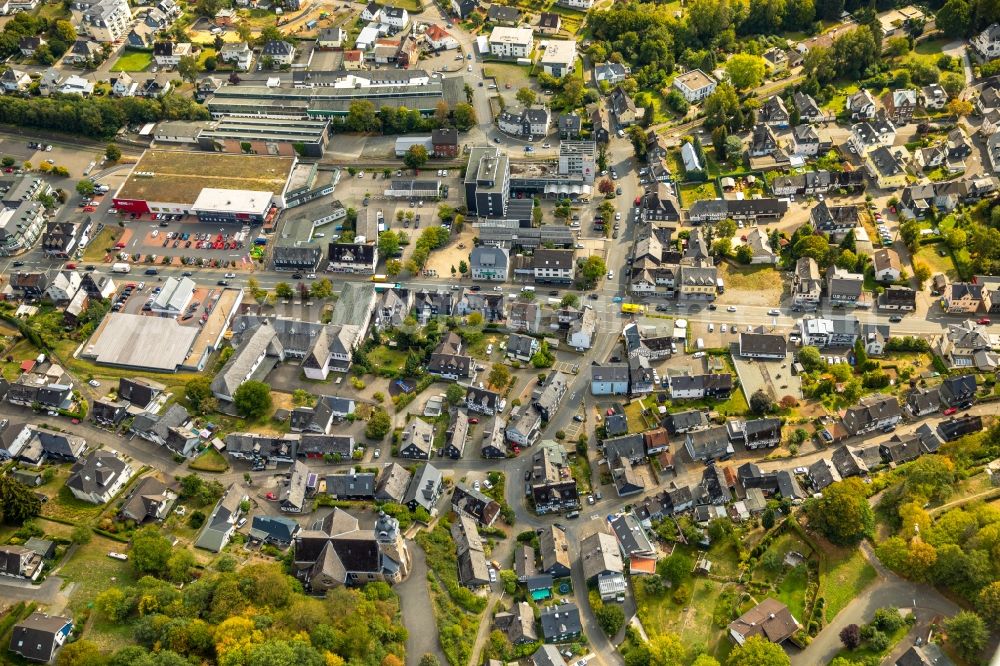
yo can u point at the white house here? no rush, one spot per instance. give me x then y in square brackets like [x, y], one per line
[887, 265]
[98, 477]
[238, 54]
[695, 85]
[76, 85]
[281, 52]
[123, 85]
[440, 39]
[511, 42]
[168, 54]
[987, 43]
[14, 80]
[558, 57]
[396, 17]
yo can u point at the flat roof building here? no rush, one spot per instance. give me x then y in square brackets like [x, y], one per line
[287, 137]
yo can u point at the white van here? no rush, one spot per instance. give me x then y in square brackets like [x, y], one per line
[527, 288]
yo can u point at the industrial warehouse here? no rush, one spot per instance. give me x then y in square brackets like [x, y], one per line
[217, 187]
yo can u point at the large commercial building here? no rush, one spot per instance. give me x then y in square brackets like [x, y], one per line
[288, 137]
[330, 94]
[487, 182]
[216, 187]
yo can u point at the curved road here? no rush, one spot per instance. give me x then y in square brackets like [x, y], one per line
[888, 590]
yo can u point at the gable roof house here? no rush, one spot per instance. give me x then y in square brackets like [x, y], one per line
[424, 489]
[958, 391]
[861, 105]
[222, 522]
[772, 112]
[353, 485]
[770, 619]
[474, 504]
[392, 483]
[553, 488]
[277, 530]
[872, 412]
[554, 551]
[149, 500]
[561, 623]
[417, 440]
[38, 636]
[456, 435]
[899, 104]
[20, 562]
[335, 552]
[708, 444]
[482, 401]
[518, 624]
[98, 477]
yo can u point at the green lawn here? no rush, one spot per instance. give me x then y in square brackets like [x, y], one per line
[691, 192]
[843, 576]
[209, 460]
[384, 357]
[93, 571]
[133, 61]
[65, 507]
[865, 652]
[792, 591]
[938, 264]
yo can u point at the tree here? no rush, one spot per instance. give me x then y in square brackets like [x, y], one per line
[113, 153]
[464, 117]
[959, 107]
[187, 68]
[321, 289]
[570, 301]
[675, 569]
[474, 319]
[966, 631]
[767, 519]
[757, 651]
[543, 358]
[722, 107]
[252, 399]
[393, 267]
[744, 254]
[80, 653]
[988, 602]
[592, 269]
[85, 188]
[887, 619]
[388, 243]
[606, 187]
[17, 502]
[761, 402]
[379, 424]
[637, 135]
[415, 157]
[82, 534]
[745, 70]
[283, 290]
[850, 636]
[860, 355]
[955, 18]
[611, 617]
[499, 376]
[196, 391]
[526, 96]
[463, 267]
[842, 514]
[150, 551]
[179, 565]
[455, 394]
[429, 660]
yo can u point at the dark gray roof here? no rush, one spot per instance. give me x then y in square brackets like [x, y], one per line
[352, 484]
[560, 620]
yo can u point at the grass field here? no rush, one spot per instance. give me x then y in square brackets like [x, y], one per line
[209, 460]
[97, 248]
[865, 652]
[691, 192]
[93, 571]
[792, 591]
[505, 72]
[63, 505]
[938, 264]
[384, 357]
[843, 575]
[750, 278]
[133, 61]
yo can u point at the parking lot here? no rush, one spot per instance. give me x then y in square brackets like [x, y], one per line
[186, 238]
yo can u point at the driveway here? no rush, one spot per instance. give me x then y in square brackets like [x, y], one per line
[47, 593]
[417, 610]
[888, 590]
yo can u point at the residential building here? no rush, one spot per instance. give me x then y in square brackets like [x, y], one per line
[424, 489]
[872, 412]
[861, 105]
[770, 620]
[392, 484]
[554, 551]
[417, 440]
[39, 636]
[168, 54]
[899, 105]
[98, 477]
[843, 288]
[279, 51]
[561, 623]
[526, 123]
[611, 73]
[609, 379]
[834, 219]
[106, 20]
[335, 552]
[151, 499]
[923, 401]
[553, 488]
[965, 298]
[887, 166]
[547, 400]
[986, 44]
[558, 56]
[239, 54]
[958, 391]
[511, 42]
[772, 112]
[807, 285]
[879, 132]
[695, 85]
[524, 426]
[708, 444]
[762, 346]
[887, 265]
[489, 263]
[524, 316]
[624, 108]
